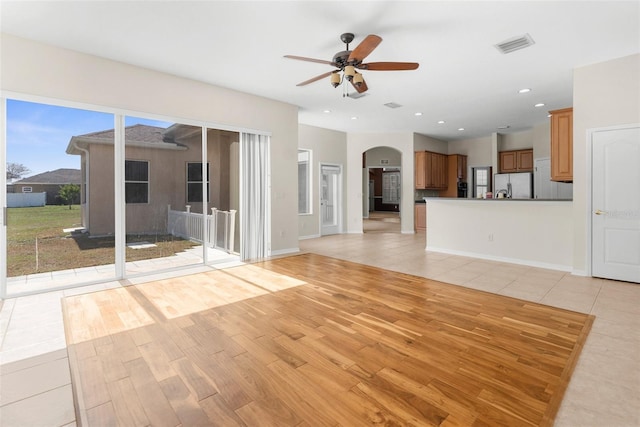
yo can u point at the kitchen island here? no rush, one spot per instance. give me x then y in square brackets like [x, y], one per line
[530, 232]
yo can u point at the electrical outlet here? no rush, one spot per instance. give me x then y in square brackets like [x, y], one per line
[491, 237]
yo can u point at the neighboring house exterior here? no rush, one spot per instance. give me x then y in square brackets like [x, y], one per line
[50, 183]
[162, 167]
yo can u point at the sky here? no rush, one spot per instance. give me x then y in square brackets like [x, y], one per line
[38, 134]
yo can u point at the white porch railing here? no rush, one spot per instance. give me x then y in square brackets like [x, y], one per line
[221, 226]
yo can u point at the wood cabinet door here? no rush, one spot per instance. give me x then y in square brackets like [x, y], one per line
[420, 169]
[462, 168]
[420, 216]
[439, 171]
[525, 160]
[562, 145]
[508, 162]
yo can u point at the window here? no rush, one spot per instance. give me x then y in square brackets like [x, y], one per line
[136, 181]
[194, 182]
[27, 189]
[481, 181]
[391, 188]
[304, 181]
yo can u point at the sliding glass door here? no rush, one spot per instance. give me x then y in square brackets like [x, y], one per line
[48, 195]
[163, 178]
[92, 196]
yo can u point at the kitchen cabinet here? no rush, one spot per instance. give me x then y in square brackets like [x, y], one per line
[461, 166]
[420, 216]
[457, 172]
[420, 168]
[516, 161]
[562, 145]
[430, 170]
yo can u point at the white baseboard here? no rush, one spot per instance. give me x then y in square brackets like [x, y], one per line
[529, 263]
[285, 251]
[312, 236]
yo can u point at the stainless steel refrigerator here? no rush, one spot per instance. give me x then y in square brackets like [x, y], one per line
[516, 185]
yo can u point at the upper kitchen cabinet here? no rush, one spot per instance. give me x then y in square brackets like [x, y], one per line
[457, 164]
[562, 145]
[430, 170]
[419, 169]
[516, 161]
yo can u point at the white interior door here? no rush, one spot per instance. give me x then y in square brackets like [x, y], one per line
[615, 224]
[330, 179]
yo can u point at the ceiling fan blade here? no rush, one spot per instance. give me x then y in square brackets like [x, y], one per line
[389, 66]
[361, 87]
[365, 48]
[315, 79]
[302, 58]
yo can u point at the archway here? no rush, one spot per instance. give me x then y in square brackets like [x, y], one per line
[382, 188]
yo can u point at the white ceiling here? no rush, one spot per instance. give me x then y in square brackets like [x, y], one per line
[462, 78]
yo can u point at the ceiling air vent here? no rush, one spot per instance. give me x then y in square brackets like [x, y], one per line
[515, 43]
[392, 105]
[355, 95]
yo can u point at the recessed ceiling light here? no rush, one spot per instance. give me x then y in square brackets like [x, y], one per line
[417, 114]
[327, 111]
[460, 128]
[440, 122]
[540, 104]
[354, 118]
[525, 90]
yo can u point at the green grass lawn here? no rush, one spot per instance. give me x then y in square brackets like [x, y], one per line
[41, 228]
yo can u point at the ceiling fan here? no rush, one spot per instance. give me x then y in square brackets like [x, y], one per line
[348, 62]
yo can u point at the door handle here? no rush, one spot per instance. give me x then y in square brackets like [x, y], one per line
[599, 212]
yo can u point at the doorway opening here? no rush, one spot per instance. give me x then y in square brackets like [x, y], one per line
[381, 210]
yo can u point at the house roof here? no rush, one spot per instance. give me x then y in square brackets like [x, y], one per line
[136, 135]
[58, 176]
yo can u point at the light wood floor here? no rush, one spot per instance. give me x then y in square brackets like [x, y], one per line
[309, 340]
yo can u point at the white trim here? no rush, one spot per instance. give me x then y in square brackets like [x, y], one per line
[284, 251]
[3, 199]
[119, 205]
[312, 236]
[204, 164]
[567, 268]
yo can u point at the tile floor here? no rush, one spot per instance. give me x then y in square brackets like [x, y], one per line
[35, 386]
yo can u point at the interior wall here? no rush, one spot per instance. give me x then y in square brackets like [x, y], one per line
[41, 70]
[477, 150]
[375, 156]
[604, 94]
[533, 233]
[327, 146]
[358, 144]
[427, 143]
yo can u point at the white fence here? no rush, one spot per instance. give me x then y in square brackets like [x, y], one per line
[221, 227]
[26, 200]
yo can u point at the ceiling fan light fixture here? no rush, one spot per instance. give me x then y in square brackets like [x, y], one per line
[349, 72]
[358, 80]
[335, 79]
